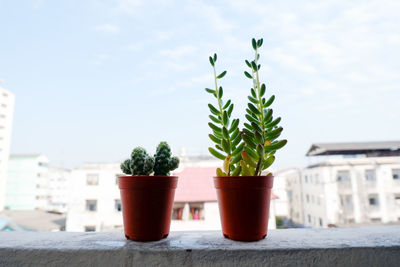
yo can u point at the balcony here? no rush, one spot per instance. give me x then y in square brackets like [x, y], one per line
[369, 246]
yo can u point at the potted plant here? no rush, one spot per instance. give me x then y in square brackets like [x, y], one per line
[147, 200]
[244, 184]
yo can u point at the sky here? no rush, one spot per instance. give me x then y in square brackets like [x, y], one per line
[94, 79]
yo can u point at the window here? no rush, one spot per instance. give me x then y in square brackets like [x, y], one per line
[117, 205]
[196, 211]
[343, 176]
[373, 200]
[320, 222]
[307, 198]
[396, 174]
[318, 200]
[370, 175]
[116, 179]
[92, 179]
[397, 200]
[90, 228]
[309, 218]
[91, 205]
[305, 179]
[43, 164]
[177, 211]
[312, 199]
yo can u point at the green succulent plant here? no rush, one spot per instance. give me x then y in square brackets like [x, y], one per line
[253, 150]
[164, 163]
[141, 163]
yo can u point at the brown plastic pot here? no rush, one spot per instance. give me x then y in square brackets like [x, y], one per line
[147, 206]
[244, 206]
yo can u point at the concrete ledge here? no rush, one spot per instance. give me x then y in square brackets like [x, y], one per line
[369, 246]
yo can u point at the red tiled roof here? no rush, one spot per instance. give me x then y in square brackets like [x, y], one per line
[196, 184]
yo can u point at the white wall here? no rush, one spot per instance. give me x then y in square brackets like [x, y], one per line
[6, 118]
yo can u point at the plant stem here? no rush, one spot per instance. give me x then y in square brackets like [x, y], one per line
[260, 105]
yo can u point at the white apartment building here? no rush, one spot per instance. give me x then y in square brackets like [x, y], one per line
[94, 198]
[362, 186]
[6, 118]
[58, 186]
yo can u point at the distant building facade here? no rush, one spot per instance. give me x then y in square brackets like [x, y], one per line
[6, 118]
[27, 183]
[361, 186]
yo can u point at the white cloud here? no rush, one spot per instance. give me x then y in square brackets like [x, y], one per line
[179, 51]
[107, 28]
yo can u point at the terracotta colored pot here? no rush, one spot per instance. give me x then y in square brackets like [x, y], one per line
[244, 206]
[147, 206]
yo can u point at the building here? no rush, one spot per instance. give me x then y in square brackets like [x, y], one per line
[6, 118]
[352, 184]
[27, 183]
[94, 198]
[58, 185]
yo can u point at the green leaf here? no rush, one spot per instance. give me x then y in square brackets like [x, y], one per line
[269, 102]
[249, 160]
[249, 142]
[225, 118]
[248, 126]
[248, 75]
[273, 132]
[262, 91]
[218, 134]
[246, 131]
[215, 57]
[273, 123]
[214, 119]
[221, 75]
[268, 162]
[211, 91]
[214, 110]
[235, 142]
[216, 154]
[220, 92]
[234, 125]
[226, 146]
[253, 93]
[236, 171]
[251, 152]
[258, 137]
[225, 133]
[252, 99]
[250, 118]
[238, 149]
[215, 139]
[259, 67]
[253, 109]
[245, 169]
[211, 61]
[248, 63]
[215, 127]
[267, 115]
[219, 148]
[227, 104]
[236, 158]
[261, 42]
[230, 109]
[254, 66]
[276, 146]
[220, 173]
[235, 133]
[256, 127]
[254, 44]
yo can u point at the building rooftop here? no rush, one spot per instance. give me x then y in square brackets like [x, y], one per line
[36, 220]
[376, 149]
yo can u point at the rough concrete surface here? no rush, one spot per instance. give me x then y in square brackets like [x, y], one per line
[368, 246]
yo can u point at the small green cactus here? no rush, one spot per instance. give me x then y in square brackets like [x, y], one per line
[142, 163]
[163, 161]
